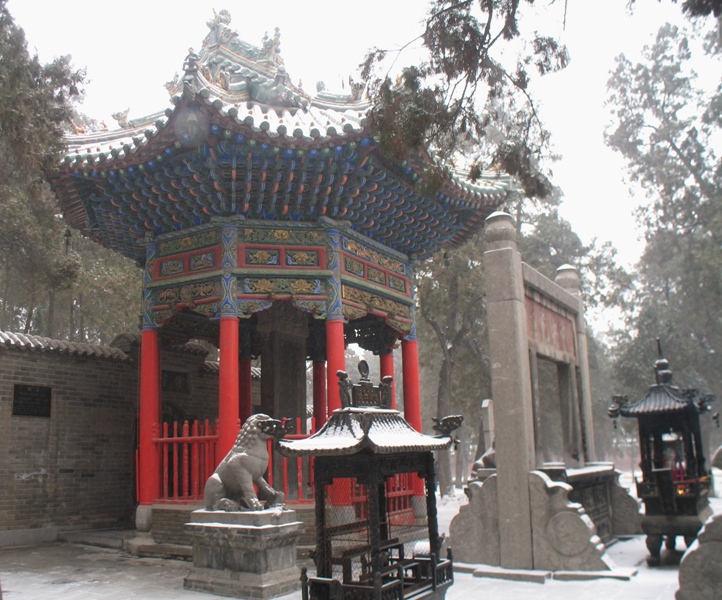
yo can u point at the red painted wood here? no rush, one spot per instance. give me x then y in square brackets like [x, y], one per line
[412, 396]
[149, 418]
[228, 406]
[386, 361]
[195, 463]
[335, 359]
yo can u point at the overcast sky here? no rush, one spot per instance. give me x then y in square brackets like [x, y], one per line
[131, 48]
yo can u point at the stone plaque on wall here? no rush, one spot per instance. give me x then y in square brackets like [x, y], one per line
[174, 381]
[31, 400]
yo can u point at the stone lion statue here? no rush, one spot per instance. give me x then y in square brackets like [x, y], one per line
[231, 488]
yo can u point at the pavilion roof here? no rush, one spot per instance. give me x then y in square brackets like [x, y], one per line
[659, 399]
[241, 139]
[355, 429]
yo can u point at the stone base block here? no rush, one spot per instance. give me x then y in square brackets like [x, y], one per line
[700, 572]
[244, 554]
[244, 585]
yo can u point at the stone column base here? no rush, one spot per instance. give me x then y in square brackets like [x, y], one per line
[244, 554]
[243, 585]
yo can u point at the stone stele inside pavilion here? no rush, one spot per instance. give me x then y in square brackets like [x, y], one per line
[270, 223]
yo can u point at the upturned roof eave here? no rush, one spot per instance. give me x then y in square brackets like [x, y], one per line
[101, 151]
[354, 430]
[661, 399]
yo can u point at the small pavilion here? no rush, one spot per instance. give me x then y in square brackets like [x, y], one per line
[269, 223]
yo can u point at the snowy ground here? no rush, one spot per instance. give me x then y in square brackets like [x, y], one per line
[77, 572]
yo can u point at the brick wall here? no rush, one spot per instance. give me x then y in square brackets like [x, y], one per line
[199, 400]
[75, 467]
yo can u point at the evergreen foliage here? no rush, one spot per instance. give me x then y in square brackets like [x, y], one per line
[469, 102]
[41, 272]
[668, 129]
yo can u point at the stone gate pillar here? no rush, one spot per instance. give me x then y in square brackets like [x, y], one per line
[567, 277]
[511, 388]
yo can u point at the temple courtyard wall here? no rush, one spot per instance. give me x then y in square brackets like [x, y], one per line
[68, 430]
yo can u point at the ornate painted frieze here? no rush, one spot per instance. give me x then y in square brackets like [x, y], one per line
[295, 287]
[255, 256]
[202, 239]
[209, 310]
[373, 301]
[405, 327]
[229, 238]
[362, 251]
[376, 276]
[187, 294]
[351, 312]
[248, 307]
[201, 262]
[398, 284]
[148, 316]
[175, 266]
[353, 266]
[333, 264]
[263, 235]
[301, 258]
[315, 307]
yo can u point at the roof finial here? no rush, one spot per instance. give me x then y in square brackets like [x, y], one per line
[662, 373]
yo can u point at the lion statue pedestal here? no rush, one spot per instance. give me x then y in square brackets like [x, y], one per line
[248, 554]
[244, 541]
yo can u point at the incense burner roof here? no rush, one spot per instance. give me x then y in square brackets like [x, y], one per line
[241, 139]
[662, 398]
[355, 429]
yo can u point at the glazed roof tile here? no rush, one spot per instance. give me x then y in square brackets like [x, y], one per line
[35, 343]
[351, 430]
[660, 399]
[241, 139]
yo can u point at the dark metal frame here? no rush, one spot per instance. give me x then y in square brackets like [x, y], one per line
[395, 576]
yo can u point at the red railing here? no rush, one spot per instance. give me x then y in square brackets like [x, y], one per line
[399, 491]
[295, 474]
[188, 459]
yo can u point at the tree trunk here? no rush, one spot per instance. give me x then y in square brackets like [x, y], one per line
[29, 318]
[81, 325]
[71, 318]
[50, 329]
[481, 444]
[460, 478]
[6, 290]
[442, 409]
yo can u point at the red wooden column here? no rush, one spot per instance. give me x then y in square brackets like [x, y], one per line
[412, 389]
[340, 495]
[228, 405]
[335, 359]
[245, 380]
[320, 402]
[386, 362]
[149, 418]
[412, 395]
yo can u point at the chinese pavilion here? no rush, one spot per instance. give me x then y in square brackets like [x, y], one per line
[269, 223]
[676, 482]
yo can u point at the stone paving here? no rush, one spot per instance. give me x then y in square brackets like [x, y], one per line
[73, 571]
